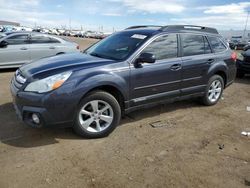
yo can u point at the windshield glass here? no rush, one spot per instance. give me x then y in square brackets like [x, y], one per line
[117, 46]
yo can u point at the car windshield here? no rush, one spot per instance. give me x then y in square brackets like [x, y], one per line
[117, 46]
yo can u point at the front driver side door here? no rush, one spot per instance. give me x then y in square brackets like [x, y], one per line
[160, 80]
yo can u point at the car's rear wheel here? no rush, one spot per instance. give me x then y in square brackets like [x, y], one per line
[214, 90]
[98, 115]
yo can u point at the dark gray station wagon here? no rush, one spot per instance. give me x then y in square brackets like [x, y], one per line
[132, 69]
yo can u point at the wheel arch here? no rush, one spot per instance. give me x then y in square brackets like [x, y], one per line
[223, 75]
[221, 70]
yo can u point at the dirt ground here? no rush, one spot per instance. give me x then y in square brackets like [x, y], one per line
[198, 147]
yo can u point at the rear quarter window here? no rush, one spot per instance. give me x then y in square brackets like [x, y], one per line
[216, 44]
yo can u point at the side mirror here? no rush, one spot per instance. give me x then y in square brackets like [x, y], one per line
[3, 44]
[146, 58]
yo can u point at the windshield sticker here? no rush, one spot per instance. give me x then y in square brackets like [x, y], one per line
[138, 36]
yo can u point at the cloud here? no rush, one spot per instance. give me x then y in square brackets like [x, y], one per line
[111, 14]
[233, 8]
[222, 22]
[156, 6]
[27, 12]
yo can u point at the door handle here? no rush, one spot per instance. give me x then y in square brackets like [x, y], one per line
[210, 61]
[175, 67]
[23, 48]
[51, 47]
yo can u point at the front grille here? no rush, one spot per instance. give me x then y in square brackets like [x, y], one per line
[18, 80]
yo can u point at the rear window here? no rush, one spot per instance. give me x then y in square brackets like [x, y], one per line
[216, 44]
[194, 45]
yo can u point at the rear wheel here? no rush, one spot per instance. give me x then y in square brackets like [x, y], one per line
[214, 90]
[98, 115]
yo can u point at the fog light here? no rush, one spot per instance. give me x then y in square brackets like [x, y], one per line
[35, 118]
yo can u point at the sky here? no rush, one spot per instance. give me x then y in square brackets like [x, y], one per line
[119, 14]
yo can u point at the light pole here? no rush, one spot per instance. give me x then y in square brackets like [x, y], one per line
[246, 26]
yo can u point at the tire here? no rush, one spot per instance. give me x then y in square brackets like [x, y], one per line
[212, 95]
[91, 121]
[240, 74]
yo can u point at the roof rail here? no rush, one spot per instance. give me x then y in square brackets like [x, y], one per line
[143, 26]
[189, 27]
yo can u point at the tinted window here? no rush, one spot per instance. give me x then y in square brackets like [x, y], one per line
[17, 39]
[38, 39]
[194, 45]
[163, 47]
[216, 44]
[53, 40]
[207, 48]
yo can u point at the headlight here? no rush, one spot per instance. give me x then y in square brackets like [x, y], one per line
[49, 83]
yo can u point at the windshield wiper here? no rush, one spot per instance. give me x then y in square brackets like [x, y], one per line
[96, 55]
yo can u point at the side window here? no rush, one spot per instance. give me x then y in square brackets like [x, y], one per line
[194, 45]
[53, 40]
[216, 44]
[164, 47]
[207, 48]
[17, 39]
[40, 39]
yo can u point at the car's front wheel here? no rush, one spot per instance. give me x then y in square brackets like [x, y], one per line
[98, 115]
[214, 90]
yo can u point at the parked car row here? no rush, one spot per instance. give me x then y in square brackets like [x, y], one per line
[62, 32]
[84, 34]
[239, 44]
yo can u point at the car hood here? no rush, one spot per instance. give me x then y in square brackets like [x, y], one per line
[61, 63]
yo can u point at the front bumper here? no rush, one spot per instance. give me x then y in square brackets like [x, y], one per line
[56, 108]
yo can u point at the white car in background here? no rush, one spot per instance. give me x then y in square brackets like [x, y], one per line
[17, 48]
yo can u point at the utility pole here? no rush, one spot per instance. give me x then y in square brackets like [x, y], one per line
[246, 26]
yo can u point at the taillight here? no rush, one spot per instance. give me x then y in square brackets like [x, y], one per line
[234, 56]
[77, 47]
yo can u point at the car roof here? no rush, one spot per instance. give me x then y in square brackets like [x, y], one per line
[153, 30]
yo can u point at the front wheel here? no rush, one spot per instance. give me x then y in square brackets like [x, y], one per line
[214, 90]
[98, 115]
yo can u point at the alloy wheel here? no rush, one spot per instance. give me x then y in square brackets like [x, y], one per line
[214, 91]
[96, 116]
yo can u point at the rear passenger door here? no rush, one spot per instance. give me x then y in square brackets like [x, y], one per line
[43, 46]
[197, 57]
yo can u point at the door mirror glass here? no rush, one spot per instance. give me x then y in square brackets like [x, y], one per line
[3, 44]
[146, 58]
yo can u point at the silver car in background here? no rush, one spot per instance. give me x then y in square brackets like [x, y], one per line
[24, 47]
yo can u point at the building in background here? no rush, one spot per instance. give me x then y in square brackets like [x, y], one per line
[2, 22]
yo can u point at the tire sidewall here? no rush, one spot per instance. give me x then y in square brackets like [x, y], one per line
[211, 80]
[104, 96]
